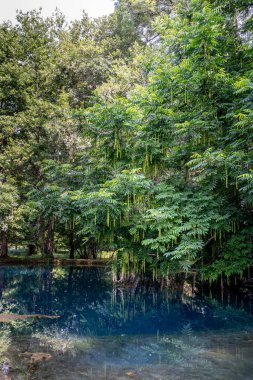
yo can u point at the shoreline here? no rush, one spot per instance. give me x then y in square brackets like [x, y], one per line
[54, 261]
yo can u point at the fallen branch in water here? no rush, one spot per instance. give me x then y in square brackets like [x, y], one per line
[6, 318]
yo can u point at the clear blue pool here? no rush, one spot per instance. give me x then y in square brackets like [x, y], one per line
[113, 333]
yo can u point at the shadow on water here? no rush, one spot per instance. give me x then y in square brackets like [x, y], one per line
[114, 333]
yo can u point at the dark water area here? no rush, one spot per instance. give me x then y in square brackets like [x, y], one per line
[105, 332]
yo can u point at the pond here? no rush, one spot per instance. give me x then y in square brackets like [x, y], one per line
[103, 332]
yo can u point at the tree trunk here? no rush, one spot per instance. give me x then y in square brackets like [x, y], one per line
[32, 249]
[71, 246]
[4, 243]
[91, 249]
[48, 248]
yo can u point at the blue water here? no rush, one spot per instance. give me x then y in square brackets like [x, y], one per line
[105, 332]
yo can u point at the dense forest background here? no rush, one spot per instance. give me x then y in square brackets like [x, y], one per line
[131, 133]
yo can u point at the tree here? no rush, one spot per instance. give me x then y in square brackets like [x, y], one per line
[131, 133]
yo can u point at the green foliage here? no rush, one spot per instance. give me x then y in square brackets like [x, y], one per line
[236, 255]
[8, 203]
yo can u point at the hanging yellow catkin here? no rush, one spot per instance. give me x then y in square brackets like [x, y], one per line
[147, 161]
[144, 266]
[108, 217]
[226, 175]
[146, 158]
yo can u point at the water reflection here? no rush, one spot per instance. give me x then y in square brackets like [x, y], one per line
[115, 333]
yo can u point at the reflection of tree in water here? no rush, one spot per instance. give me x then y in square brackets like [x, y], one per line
[45, 289]
[143, 324]
[1, 282]
[89, 304]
